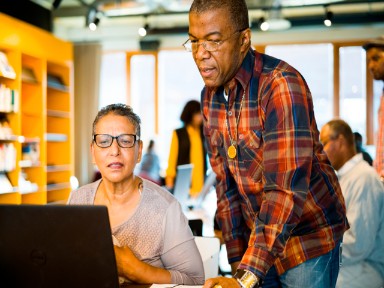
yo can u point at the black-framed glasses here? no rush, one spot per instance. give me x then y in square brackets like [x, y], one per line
[123, 140]
[209, 45]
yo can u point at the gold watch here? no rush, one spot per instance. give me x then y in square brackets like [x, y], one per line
[247, 279]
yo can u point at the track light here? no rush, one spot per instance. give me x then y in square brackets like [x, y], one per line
[93, 19]
[56, 4]
[263, 24]
[143, 31]
[328, 17]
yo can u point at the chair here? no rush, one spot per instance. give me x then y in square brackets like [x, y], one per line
[209, 248]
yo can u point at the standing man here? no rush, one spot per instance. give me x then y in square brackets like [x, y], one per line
[363, 244]
[375, 59]
[280, 206]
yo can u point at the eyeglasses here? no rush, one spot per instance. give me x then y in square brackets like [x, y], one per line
[123, 140]
[209, 45]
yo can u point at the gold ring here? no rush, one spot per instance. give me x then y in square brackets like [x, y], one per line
[217, 286]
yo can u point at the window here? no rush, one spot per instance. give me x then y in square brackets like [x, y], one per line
[353, 88]
[142, 92]
[179, 82]
[113, 79]
[315, 63]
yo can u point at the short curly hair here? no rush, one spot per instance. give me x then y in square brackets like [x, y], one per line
[121, 110]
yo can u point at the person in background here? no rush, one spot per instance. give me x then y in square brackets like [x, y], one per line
[375, 60]
[280, 206]
[153, 242]
[150, 165]
[187, 146]
[363, 243]
[360, 149]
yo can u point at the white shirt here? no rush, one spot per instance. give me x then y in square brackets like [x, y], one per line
[364, 198]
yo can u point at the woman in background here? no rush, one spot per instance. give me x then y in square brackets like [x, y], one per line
[150, 165]
[153, 242]
[187, 147]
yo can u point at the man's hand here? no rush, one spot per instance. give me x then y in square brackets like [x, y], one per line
[221, 282]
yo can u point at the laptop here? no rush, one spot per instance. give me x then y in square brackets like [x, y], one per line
[183, 183]
[56, 246]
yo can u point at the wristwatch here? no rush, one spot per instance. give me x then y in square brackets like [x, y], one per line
[247, 279]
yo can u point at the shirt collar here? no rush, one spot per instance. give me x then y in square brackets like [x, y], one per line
[350, 164]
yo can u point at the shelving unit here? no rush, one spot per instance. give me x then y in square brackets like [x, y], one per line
[41, 119]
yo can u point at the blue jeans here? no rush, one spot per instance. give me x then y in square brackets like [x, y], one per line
[320, 272]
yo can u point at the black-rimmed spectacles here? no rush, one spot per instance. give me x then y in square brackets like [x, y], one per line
[123, 140]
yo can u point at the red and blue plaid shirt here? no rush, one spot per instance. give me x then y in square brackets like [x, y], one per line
[279, 200]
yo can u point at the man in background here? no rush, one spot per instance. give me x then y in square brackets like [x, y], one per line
[363, 243]
[375, 60]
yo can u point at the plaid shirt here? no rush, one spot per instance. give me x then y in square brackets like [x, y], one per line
[379, 159]
[279, 201]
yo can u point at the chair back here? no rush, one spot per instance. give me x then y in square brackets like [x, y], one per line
[209, 248]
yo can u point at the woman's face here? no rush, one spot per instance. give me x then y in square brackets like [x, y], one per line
[116, 164]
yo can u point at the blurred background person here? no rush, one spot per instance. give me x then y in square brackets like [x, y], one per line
[363, 244]
[152, 238]
[187, 147]
[150, 165]
[360, 149]
[375, 60]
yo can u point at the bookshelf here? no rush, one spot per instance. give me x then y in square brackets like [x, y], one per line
[38, 121]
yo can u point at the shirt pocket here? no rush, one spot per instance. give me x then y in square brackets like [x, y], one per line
[216, 141]
[251, 153]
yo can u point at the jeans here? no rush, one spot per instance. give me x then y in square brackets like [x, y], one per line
[320, 272]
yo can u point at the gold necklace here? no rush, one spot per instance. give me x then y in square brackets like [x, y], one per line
[232, 152]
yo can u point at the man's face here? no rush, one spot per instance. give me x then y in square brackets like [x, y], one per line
[375, 59]
[331, 147]
[218, 67]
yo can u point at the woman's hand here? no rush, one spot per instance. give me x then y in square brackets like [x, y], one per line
[221, 282]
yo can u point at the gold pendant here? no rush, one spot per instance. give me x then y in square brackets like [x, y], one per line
[232, 151]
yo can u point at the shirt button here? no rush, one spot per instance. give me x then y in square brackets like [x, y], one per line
[230, 113]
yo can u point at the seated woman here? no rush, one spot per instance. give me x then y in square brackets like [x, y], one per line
[153, 242]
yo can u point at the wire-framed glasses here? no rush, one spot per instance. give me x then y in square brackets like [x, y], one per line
[123, 140]
[209, 45]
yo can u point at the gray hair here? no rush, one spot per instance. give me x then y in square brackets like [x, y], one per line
[120, 110]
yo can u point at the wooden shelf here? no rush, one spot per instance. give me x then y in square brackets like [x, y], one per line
[58, 168]
[59, 114]
[58, 186]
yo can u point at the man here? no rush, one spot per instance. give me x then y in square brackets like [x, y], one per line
[363, 244]
[280, 206]
[375, 59]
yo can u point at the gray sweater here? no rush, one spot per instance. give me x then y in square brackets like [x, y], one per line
[157, 233]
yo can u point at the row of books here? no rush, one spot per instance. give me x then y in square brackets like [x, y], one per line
[7, 157]
[9, 99]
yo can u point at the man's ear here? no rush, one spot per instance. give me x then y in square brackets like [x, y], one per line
[246, 39]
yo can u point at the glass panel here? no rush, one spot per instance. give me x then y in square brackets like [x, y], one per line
[179, 82]
[353, 88]
[113, 78]
[143, 93]
[315, 63]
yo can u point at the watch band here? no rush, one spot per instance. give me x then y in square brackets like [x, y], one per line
[247, 279]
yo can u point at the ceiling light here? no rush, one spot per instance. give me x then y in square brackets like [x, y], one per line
[328, 19]
[93, 18]
[143, 31]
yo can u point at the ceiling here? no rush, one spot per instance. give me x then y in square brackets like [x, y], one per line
[170, 16]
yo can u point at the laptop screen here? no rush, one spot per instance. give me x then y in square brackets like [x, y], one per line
[56, 246]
